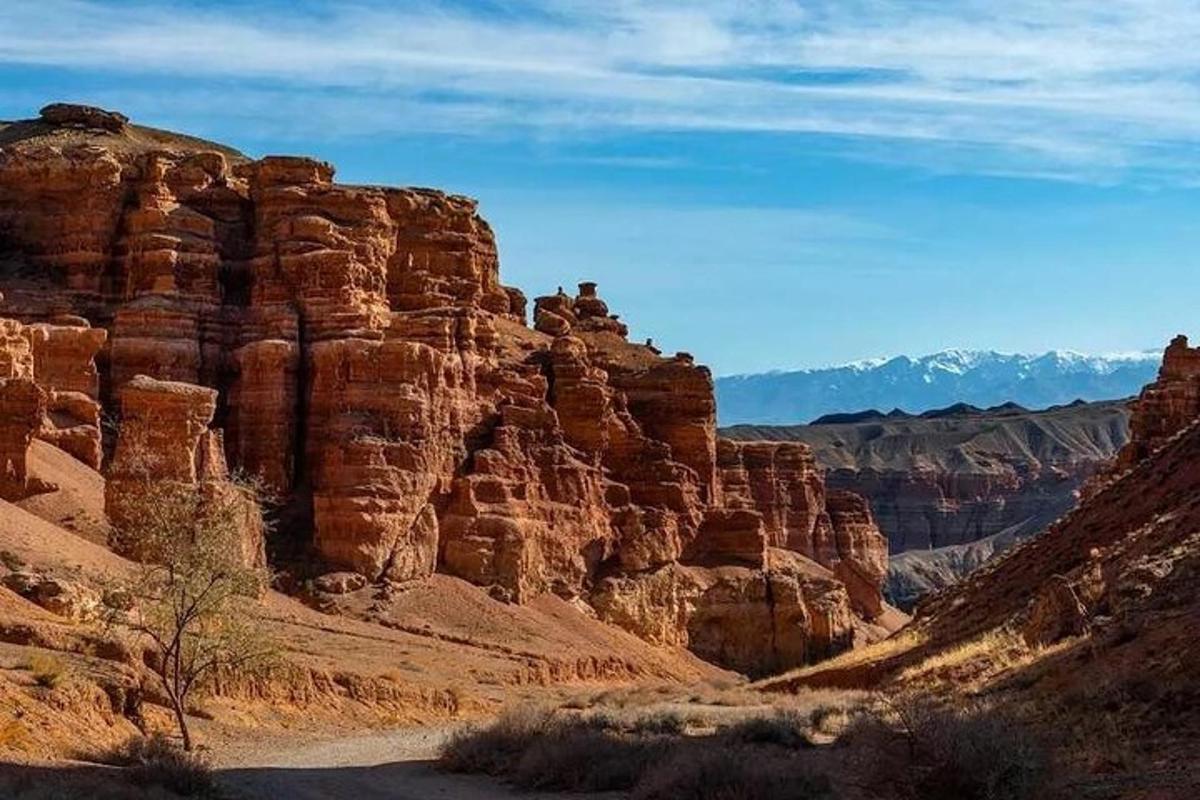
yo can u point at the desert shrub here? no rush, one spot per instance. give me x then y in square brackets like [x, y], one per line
[11, 560]
[784, 728]
[582, 757]
[662, 722]
[646, 753]
[495, 749]
[973, 753]
[187, 599]
[820, 717]
[645, 722]
[156, 761]
[712, 771]
[48, 671]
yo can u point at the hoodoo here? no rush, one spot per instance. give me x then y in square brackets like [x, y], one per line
[354, 348]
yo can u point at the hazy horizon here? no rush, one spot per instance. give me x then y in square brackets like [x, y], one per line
[772, 187]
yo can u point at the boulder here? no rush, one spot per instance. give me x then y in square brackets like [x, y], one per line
[84, 116]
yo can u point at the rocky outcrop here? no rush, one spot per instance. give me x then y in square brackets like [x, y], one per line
[48, 386]
[559, 314]
[353, 348]
[84, 116]
[861, 560]
[782, 483]
[757, 621]
[165, 438]
[22, 407]
[1166, 406]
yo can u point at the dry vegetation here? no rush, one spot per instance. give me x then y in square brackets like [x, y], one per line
[157, 762]
[657, 743]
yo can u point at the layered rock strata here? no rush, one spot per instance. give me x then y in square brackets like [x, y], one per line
[1164, 407]
[359, 352]
[165, 438]
[48, 389]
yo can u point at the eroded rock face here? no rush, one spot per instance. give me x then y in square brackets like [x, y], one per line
[165, 437]
[1166, 406]
[861, 560]
[22, 406]
[48, 376]
[758, 621]
[360, 355]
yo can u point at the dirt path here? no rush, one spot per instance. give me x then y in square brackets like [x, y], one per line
[392, 765]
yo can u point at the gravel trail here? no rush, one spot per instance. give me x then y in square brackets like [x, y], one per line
[391, 765]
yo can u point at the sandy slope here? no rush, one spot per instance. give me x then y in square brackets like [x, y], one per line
[413, 653]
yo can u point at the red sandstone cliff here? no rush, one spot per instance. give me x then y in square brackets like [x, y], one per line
[357, 350]
[48, 386]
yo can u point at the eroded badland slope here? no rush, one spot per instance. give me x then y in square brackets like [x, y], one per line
[1089, 629]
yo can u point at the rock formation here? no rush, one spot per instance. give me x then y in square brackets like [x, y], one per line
[165, 437]
[952, 489]
[1120, 565]
[359, 353]
[1167, 406]
[48, 389]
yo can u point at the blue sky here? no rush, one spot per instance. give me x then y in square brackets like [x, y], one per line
[765, 184]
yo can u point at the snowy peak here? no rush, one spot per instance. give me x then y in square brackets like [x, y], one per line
[981, 378]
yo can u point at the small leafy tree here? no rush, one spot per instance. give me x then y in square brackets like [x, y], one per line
[191, 594]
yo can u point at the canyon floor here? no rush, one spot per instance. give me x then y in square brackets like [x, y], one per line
[388, 765]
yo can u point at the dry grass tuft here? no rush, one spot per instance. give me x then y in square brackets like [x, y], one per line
[994, 651]
[48, 671]
[925, 751]
[784, 728]
[155, 761]
[654, 752]
[495, 749]
[708, 772]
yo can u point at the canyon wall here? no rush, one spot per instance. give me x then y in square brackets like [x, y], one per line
[952, 489]
[355, 349]
[48, 389]
[1166, 406]
[1121, 567]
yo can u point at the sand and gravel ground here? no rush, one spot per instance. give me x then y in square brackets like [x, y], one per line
[391, 765]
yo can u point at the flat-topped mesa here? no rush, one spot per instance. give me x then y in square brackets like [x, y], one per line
[1166, 406]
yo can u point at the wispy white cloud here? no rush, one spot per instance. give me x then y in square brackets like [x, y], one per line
[1071, 88]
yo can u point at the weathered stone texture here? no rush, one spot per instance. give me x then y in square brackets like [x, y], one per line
[1166, 406]
[358, 350]
[49, 376]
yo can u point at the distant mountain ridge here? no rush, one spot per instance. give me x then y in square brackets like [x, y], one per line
[979, 378]
[953, 487]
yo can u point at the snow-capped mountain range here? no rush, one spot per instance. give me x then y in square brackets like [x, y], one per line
[979, 377]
